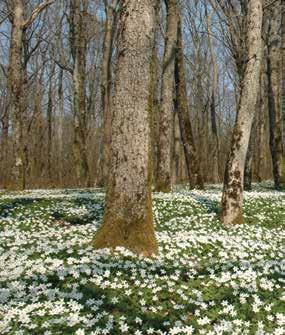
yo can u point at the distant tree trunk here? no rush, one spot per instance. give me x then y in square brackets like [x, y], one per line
[16, 83]
[106, 82]
[163, 178]
[79, 51]
[232, 198]
[262, 107]
[282, 93]
[4, 146]
[215, 135]
[60, 127]
[128, 220]
[187, 138]
[49, 125]
[273, 72]
[216, 146]
[39, 139]
[176, 149]
[248, 162]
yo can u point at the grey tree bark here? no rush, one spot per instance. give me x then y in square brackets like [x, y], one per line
[110, 26]
[282, 93]
[154, 95]
[232, 198]
[128, 220]
[163, 177]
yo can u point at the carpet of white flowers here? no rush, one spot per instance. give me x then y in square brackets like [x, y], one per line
[207, 279]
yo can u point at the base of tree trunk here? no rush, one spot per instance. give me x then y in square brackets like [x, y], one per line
[137, 236]
[229, 219]
[282, 177]
[162, 187]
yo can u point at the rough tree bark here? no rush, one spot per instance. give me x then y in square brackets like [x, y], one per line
[153, 95]
[128, 220]
[232, 198]
[187, 138]
[282, 93]
[110, 23]
[78, 31]
[163, 177]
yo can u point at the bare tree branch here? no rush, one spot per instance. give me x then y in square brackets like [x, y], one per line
[36, 12]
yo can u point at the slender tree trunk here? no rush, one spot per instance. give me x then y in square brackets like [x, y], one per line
[5, 147]
[39, 139]
[232, 198]
[215, 135]
[273, 72]
[262, 107]
[106, 79]
[187, 138]
[163, 178]
[49, 126]
[216, 146]
[17, 80]
[60, 127]
[128, 220]
[79, 50]
[176, 150]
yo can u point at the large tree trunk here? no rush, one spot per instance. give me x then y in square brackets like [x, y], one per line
[163, 178]
[232, 198]
[153, 96]
[273, 73]
[106, 82]
[187, 138]
[282, 93]
[79, 50]
[128, 220]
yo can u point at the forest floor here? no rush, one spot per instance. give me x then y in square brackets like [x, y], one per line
[207, 279]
